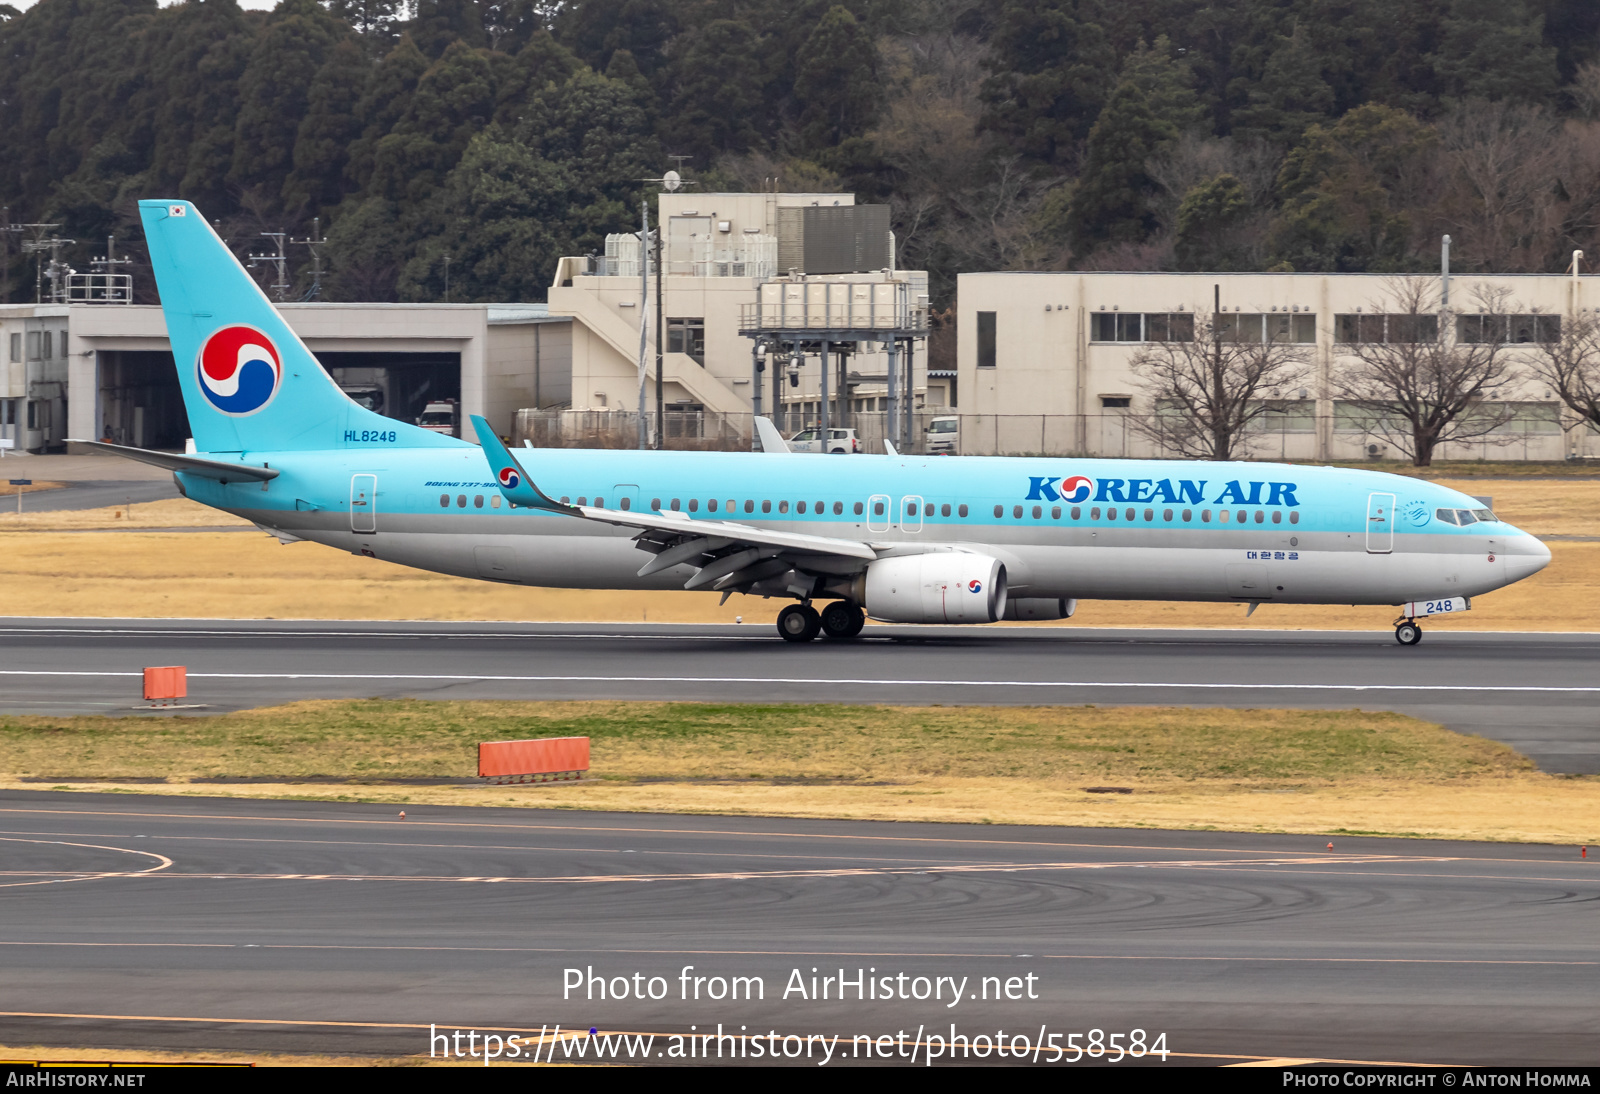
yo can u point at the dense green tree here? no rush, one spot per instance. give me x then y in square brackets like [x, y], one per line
[1493, 50]
[716, 82]
[387, 98]
[1111, 201]
[376, 22]
[1048, 62]
[597, 28]
[540, 63]
[330, 126]
[1346, 203]
[1290, 95]
[440, 23]
[454, 100]
[835, 81]
[1168, 85]
[1209, 222]
[273, 93]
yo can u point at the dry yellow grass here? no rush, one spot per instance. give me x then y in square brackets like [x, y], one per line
[1238, 770]
[229, 575]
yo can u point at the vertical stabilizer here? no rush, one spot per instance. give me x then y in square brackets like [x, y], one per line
[249, 383]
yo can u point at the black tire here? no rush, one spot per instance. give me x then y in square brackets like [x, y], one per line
[798, 623]
[1408, 634]
[842, 621]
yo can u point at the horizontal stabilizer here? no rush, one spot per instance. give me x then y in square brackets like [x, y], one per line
[221, 470]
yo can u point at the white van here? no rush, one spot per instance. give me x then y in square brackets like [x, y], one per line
[944, 435]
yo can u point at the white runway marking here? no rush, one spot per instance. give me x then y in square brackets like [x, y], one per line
[810, 681]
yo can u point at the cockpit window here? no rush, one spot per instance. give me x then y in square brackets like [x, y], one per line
[1483, 514]
[1446, 516]
[1464, 517]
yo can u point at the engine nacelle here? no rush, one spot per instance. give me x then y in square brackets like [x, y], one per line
[948, 587]
[1027, 608]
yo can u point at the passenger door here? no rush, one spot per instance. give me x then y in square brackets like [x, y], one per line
[911, 513]
[1380, 524]
[364, 504]
[878, 513]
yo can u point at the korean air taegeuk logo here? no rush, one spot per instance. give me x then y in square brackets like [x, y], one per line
[239, 370]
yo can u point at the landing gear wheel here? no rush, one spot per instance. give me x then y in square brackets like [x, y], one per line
[1408, 633]
[842, 620]
[798, 623]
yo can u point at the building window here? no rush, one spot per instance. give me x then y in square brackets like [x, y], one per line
[687, 336]
[1508, 328]
[49, 345]
[1115, 402]
[33, 345]
[16, 347]
[1401, 328]
[986, 339]
[1284, 416]
[1257, 327]
[1142, 327]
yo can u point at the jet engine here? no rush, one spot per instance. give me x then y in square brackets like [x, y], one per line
[1029, 608]
[947, 587]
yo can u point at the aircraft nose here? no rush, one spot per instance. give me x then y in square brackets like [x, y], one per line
[1525, 556]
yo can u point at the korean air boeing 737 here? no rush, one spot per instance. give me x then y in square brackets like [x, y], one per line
[899, 538]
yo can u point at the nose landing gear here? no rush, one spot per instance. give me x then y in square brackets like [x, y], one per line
[1408, 632]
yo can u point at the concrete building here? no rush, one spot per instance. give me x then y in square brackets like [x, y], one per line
[1043, 358]
[106, 370]
[718, 250]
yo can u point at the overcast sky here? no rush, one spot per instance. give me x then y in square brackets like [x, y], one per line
[254, 5]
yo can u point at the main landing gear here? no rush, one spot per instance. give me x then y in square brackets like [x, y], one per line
[1408, 632]
[839, 621]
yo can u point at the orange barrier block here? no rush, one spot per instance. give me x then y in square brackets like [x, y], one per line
[166, 682]
[547, 759]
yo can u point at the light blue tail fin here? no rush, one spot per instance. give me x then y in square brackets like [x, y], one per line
[249, 383]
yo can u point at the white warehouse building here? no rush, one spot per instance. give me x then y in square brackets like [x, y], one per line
[1043, 358]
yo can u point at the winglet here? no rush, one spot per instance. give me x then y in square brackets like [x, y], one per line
[771, 439]
[513, 481]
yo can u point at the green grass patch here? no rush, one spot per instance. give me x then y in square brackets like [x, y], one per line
[386, 739]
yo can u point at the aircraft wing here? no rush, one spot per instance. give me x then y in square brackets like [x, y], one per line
[727, 555]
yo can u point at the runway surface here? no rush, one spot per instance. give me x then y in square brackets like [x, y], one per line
[1539, 693]
[97, 494]
[197, 924]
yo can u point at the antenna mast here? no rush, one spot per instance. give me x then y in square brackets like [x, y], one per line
[279, 262]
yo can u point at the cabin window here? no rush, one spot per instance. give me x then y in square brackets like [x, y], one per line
[655, 504]
[694, 505]
[1261, 518]
[944, 510]
[1277, 516]
[1055, 512]
[675, 505]
[1294, 518]
[838, 508]
[1149, 515]
[461, 501]
[783, 507]
[1016, 511]
[1111, 514]
[1166, 514]
[749, 506]
[1038, 511]
[626, 503]
[1240, 516]
[599, 503]
[1077, 512]
[583, 501]
[1188, 515]
[566, 500]
[877, 509]
[800, 507]
[711, 506]
[859, 508]
[1223, 515]
[766, 507]
[1094, 514]
[1128, 514]
[1205, 516]
[730, 506]
[962, 511]
[444, 503]
[477, 501]
[494, 502]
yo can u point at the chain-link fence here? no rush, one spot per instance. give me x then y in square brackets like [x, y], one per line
[1114, 435]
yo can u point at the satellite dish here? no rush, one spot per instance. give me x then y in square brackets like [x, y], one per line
[671, 181]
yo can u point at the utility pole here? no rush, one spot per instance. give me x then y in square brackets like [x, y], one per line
[7, 230]
[447, 277]
[55, 270]
[314, 243]
[107, 265]
[668, 182]
[279, 262]
[644, 314]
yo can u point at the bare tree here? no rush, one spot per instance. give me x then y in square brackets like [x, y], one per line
[1209, 383]
[1571, 366]
[1420, 384]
